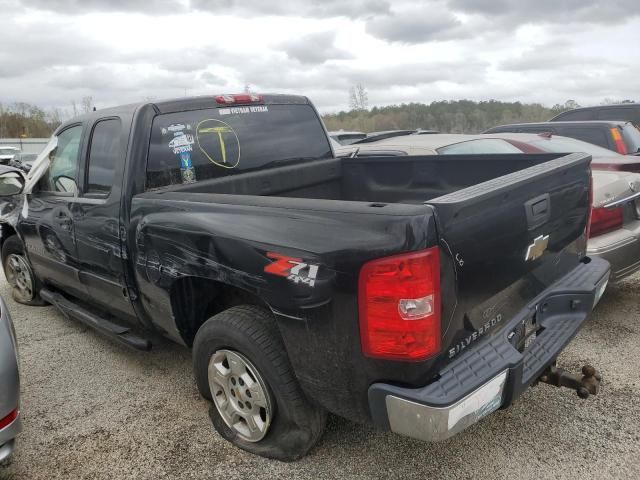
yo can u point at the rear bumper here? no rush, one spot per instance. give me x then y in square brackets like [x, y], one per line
[495, 373]
[621, 248]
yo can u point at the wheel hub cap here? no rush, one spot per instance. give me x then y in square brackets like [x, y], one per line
[19, 275]
[240, 395]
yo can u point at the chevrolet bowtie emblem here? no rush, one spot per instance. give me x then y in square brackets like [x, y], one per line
[537, 248]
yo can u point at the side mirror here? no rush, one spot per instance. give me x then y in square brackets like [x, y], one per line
[11, 183]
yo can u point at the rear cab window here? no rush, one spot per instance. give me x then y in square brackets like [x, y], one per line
[192, 146]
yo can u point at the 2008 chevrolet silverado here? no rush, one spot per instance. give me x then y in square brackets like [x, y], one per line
[419, 293]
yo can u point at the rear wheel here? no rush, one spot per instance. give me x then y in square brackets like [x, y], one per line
[24, 285]
[241, 364]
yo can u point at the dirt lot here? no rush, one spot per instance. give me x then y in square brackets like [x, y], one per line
[93, 409]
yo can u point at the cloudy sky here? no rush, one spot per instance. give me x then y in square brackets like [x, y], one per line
[118, 51]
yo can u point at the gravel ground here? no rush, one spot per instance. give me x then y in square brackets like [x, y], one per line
[93, 409]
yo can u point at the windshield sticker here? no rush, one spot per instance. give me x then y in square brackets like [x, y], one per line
[186, 168]
[240, 110]
[218, 142]
[294, 269]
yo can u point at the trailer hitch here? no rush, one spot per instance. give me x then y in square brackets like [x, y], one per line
[586, 384]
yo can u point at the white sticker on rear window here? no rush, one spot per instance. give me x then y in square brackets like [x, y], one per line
[241, 110]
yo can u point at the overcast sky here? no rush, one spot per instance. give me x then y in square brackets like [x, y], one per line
[119, 51]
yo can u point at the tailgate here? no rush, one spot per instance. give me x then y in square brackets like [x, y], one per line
[508, 239]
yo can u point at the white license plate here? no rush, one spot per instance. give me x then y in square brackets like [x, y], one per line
[480, 403]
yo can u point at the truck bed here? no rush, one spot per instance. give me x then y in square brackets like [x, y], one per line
[393, 179]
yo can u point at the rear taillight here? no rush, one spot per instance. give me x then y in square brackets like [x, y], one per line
[604, 220]
[399, 300]
[239, 99]
[621, 148]
[9, 419]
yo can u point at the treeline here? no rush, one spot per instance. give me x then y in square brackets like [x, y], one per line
[26, 120]
[456, 116]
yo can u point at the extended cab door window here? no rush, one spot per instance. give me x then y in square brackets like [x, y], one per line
[61, 176]
[103, 154]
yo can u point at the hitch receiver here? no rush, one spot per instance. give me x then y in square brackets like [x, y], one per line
[585, 385]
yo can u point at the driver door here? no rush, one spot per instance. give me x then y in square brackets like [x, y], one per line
[47, 222]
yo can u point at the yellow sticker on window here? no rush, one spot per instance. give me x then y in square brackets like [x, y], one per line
[218, 141]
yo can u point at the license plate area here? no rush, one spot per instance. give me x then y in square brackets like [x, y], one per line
[524, 334]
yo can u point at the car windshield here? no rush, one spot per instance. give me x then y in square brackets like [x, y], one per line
[568, 145]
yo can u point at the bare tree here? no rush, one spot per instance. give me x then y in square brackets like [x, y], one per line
[358, 97]
[87, 104]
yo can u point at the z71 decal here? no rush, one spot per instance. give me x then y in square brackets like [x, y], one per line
[294, 269]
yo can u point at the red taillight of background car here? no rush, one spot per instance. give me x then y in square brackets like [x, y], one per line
[399, 300]
[621, 147]
[604, 220]
[9, 419]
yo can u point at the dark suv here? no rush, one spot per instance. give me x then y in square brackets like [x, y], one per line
[620, 136]
[626, 111]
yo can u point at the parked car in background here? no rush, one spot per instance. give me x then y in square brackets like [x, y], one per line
[10, 423]
[629, 112]
[23, 161]
[615, 227]
[621, 137]
[603, 159]
[347, 138]
[7, 153]
[615, 221]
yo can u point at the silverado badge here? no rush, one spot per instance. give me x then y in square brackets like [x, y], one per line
[537, 248]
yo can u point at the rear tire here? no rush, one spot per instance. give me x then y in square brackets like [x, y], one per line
[25, 288]
[239, 357]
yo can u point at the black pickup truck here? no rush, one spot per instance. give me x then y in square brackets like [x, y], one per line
[420, 293]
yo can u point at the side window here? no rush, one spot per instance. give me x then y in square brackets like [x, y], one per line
[616, 114]
[103, 155]
[62, 173]
[575, 115]
[597, 136]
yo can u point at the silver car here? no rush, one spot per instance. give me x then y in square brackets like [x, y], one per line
[10, 423]
[615, 221]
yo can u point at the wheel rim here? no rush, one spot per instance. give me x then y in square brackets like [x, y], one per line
[19, 275]
[240, 395]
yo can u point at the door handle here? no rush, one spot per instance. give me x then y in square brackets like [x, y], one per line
[538, 211]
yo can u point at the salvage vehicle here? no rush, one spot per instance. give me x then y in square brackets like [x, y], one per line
[418, 293]
[614, 232]
[618, 136]
[629, 112]
[10, 422]
[7, 153]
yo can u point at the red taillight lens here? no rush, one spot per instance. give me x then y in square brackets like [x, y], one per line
[605, 220]
[621, 148]
[399, 299]
[239, 99]
[8, 420]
